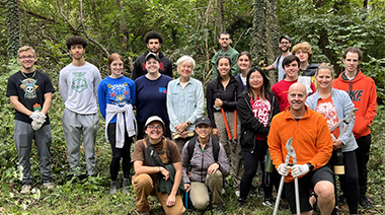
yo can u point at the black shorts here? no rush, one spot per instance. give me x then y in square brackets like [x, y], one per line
[306, 184]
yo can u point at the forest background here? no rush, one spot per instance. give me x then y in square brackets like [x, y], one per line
[189, 27]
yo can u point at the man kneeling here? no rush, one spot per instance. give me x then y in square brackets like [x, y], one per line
[313, 146]
[205, 165]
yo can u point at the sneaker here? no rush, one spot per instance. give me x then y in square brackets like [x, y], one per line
[241, 202]
[267, 202]
[48, 185]
[26, 188]
[113, 187]
[220, 209]
[365, 203]
[238, 193]
[126, 183]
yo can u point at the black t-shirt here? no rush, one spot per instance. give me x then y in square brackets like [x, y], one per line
[30, 90]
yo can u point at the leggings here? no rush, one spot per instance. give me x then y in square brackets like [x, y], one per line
[118, 153]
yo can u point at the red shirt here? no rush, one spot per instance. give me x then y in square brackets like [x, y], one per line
[261, 110]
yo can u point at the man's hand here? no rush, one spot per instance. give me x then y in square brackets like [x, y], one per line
[283, 169]
[213, 168]
[298, 170]
[187, 187]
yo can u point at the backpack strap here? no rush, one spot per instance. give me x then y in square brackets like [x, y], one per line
[216, 147]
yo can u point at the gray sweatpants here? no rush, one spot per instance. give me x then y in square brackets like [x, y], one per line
[73, 125]
[24, 134]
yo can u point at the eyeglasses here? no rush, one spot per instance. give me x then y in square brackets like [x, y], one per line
[285, 43]
[27, 57]
[225, 38]
[153, 127]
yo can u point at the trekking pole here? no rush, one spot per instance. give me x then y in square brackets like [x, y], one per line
[186, 200]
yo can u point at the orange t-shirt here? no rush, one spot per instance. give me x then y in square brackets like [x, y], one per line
[326, 107]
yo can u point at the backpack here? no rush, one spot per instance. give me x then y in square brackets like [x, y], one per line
[215, 142]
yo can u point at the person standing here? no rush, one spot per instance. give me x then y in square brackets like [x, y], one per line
[244, 63]
[221, 94]
[284, 44]
[154, 41]
[362, 91]
[224, 41]
[116, 96]
[151, 93]
[78, 84]
[185, 102]
[30, 92]
[313, 146]
[304, 53]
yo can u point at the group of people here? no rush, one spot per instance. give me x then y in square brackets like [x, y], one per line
[179, 150]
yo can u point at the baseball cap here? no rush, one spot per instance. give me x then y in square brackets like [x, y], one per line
[153, 119]
[284, 37]
[203, 120]
[152, 55]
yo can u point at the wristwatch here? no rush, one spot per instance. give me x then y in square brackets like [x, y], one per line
[311, 167]
[188, 123]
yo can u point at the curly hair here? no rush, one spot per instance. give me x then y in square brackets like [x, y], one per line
[76, 40]
[153, 35]
[305, 47]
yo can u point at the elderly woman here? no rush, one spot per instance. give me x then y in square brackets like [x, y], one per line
[157, 165]
[116, 97]
[205, 165]
[185, 101]
[221, 97]
[151, 90]
[335, 105]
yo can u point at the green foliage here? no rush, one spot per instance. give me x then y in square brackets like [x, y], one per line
[12, 10]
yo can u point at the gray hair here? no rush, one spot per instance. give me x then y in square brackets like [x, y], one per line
[187, 59]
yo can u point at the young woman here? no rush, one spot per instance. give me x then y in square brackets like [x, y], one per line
[335, 105]
[256, 108]
[244, 63]
[185, 102]
[116, 96]
[151, 90]
[158, 170]
[221, 97]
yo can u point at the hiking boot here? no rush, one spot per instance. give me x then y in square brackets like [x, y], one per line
[220, 209]
[48, 185]
[126, 183]
[365, 203]
[113, 187]
[26, 188]
[268, 202]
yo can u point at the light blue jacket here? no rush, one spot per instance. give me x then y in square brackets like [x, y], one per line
[184, 104]
[344, 106]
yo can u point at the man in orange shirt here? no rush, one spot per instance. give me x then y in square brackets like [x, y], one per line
[362, 91]
[313, 146]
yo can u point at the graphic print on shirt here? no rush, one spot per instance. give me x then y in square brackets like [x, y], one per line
[328, 109]
[261, 110]
[118, 94]
[163, 90]
[29, 86]
[79, 81]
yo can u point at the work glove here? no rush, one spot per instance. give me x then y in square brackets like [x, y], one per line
[283, 169]
[35, 115]
[298, 170]
[41, 117]
[36, 125]
[38, 119]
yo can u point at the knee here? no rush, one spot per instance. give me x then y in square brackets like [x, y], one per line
[217, 175]
[142, 181]
[324, 191]
[200, 203]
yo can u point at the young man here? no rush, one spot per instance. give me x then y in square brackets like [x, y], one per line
[30, 92]
[78, 84]
[304, 53]
[224, 41]
[154, 41]
[284, 44]
[313, 146]
[362, 91]
[280, 89]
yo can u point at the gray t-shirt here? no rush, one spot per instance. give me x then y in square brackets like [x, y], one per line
[281, 71]
[78, 86]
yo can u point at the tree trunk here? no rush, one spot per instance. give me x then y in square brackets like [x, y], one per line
[124, 35]
[13, 26]
[221, 17]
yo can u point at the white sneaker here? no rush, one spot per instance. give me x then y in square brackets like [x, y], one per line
[238, 193]
[26, 188]
[48, 185]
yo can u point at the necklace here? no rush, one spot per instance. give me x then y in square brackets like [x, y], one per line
[34, 73]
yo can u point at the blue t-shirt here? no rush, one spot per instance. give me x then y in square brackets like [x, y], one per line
[151, 98]
[116, 91]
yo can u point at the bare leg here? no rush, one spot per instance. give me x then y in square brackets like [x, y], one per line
[326, 199]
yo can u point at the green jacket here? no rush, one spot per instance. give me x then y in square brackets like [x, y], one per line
[166, 186]
[233, 54]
